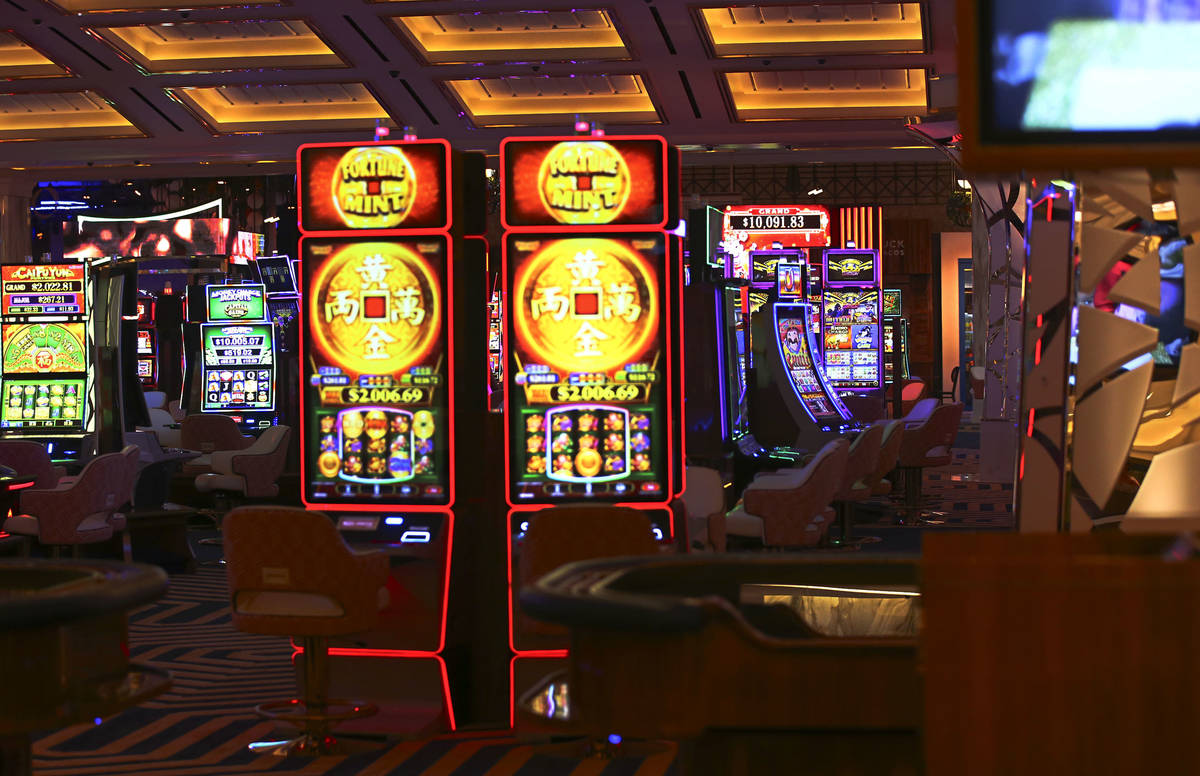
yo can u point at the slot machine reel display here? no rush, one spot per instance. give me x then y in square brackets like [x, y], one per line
[377, 346]
[852, 320]
[237, 346]
[590, 391]
[44, 381]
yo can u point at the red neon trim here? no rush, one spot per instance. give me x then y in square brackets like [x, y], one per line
[543, 653]
[564, 228]
[682, 383]
[1037, 351]
[449, 191]
[1029, 430]
[22, 485]
[1021, 467]
[1039, 321]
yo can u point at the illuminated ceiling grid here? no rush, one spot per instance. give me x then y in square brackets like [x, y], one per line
[177, 77]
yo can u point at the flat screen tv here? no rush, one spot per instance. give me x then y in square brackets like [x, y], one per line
[1079, 84]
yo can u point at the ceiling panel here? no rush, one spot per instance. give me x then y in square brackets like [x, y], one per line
[20, 60]
[61, 116]
[511, 36]
[220, 46]
[555, 100]
[814, 30]
[107, 6]
[297, 108]
[775, 95]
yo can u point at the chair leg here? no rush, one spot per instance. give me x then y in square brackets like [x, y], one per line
[315, 714]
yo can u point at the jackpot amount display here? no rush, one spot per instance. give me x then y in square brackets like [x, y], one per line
[588, 392]
[378, 392]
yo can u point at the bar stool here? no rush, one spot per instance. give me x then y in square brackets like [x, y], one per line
[291, 574]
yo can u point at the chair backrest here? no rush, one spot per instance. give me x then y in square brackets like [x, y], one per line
[889, 451]
[176, 411]
[862, 457]
[262, 463]
[954, 380]
[207, 433]
[788, 505]
[160, 418]
[572, 532]
[705, 494]
[272, 549]
[132, 454]
[29, 459]
[913, 389]
[155, 399]
[103, 482]
[937, 431]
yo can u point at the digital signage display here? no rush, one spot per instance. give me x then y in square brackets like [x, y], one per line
[44, 348]
[588, 375]
[374, 186]
[851, 267]
[276, 274]
[379, 407]
[236, 303]
[178, 237]
[892, 304]
[239, 367]
[789, 281]
[584, 184]
[42, 289]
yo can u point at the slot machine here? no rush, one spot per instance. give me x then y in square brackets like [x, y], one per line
[387, 262]
[147, 341]
[895, 336]
[230, 354]
[47, 379]
[283, 293]
[591, 350]
[852, 320]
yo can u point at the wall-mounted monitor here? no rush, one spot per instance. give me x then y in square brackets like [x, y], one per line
[1071, 84]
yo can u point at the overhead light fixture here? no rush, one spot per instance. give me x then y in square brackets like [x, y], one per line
[963, 183]
[814, 192]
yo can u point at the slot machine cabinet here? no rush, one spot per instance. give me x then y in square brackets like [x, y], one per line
[895, 336]
[592, 356]
[387, 264]
[147, 341]
[48, 378]
[852, 320]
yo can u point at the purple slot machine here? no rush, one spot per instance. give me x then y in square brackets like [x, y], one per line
[852, 320]
[591, 347]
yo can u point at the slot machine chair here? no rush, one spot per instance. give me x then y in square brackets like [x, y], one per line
[889, 453]
[155, 400]
[206, 434]
[30, 459]
[291, 574]
[912, 392]
[791, 509]
[77, 510]
[163, 426]
[925, 445]
[704, 502]
[249, 473]
[952, 394]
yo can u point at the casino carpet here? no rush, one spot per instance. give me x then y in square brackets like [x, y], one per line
[202, 725]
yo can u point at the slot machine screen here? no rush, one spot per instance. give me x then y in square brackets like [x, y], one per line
[376, 342]
[239, 367]
[145, 342]
[843, 267]
[276, 274]
[49, 402]
[588, 389]
[145, 369]
[44, 348]
[892, 302]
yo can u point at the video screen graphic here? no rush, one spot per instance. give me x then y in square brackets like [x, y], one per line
[276, 274]
[178, 237]
[145, 342]
[44, 348]
[376, 349]
[892, 302]
[238, 367]
[374, 186]
[584, 182]
[1053, 68]
[588, 388]
[42, 403]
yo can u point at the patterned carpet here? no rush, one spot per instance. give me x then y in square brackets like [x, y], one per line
[202, 726]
